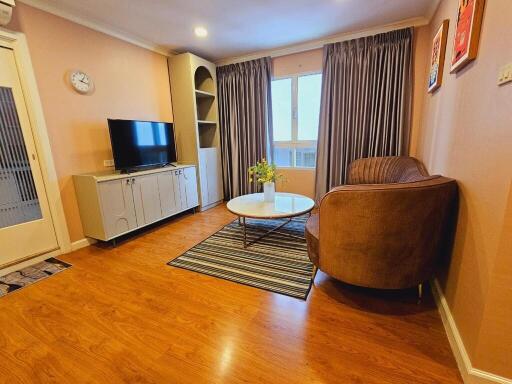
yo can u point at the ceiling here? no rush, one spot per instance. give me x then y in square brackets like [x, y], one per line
[235, 27]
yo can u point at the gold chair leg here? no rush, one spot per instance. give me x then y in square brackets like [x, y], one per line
[315, 271]
[420, 292]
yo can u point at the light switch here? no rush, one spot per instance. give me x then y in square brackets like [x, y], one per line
[108, 163]
[505, 74]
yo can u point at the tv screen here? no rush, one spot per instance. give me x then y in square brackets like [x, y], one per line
[137, 144]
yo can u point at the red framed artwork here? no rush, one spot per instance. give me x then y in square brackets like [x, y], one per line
[467, 33]
[437, 57]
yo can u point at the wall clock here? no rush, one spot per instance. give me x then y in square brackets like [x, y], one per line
[81, 82]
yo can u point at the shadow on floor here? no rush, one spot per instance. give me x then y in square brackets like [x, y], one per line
[380, 301]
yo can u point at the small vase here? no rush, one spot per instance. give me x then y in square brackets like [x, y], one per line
[269, 192]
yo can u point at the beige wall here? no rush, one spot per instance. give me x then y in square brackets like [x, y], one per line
[466, 133]
[298, 180]
[131, 83]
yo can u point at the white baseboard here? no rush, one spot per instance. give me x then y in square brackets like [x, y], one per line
[85, 242]
[470, 375]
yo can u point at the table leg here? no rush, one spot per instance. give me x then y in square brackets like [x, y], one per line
[245, 232]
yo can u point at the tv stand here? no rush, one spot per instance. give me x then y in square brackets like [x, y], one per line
[112, 204]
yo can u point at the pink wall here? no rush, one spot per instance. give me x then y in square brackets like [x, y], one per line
[466, 133]
[131, 83]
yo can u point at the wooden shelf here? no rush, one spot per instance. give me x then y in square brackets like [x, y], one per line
[206, 122]
[200, 93]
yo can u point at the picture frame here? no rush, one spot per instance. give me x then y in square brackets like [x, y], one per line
[467, 33]
[437, 57]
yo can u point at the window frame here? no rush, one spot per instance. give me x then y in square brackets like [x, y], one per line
[295, 143]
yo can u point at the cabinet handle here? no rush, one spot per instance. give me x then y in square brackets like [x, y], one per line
[127, 181]
[133, 181]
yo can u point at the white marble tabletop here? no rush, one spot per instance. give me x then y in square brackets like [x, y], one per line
[284, 205]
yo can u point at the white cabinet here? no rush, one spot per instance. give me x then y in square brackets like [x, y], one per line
[211, 176]
[190, 179]
[113, 204]
[180, 189]
[117, 207]
[146, 198]
[166, 182]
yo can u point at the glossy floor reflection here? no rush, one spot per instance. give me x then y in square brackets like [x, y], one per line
[121, 315]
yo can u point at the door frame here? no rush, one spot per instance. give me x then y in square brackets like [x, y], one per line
[17, 42]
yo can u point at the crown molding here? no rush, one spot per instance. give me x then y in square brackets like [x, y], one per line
[319, 43]
[99, 26]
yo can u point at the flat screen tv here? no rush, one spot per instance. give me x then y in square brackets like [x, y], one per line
[141, 144]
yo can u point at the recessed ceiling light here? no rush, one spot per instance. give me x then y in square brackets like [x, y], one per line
[201, 32]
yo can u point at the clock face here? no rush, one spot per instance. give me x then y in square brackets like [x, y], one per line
[81, 82]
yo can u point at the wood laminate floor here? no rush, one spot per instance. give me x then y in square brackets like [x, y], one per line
[121, 315]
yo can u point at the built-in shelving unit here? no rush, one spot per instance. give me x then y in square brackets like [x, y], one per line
[194, 95]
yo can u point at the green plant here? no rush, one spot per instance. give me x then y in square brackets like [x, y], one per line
[263, 172]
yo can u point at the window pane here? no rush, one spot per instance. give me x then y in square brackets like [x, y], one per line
[283, 157]
[282, 109]
[306, 157]
[310, 88]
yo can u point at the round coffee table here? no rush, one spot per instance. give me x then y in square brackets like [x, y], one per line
[285, 206]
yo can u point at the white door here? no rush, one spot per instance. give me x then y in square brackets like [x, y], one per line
[180, 190]
[214, 175]
[147, 199]
[190, 178]
[166, 192]
[117, 207]
[203, 176]
[26, 227]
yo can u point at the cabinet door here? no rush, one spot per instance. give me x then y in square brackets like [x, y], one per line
[214, 176]
[179, 190]
[203, 176]
[146, 199]
[166, 192]
[117, 207]
[191, 187]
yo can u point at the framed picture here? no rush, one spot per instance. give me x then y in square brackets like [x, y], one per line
[435, 78]
[467, 33]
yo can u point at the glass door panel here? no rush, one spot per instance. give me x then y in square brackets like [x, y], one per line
[18, 198]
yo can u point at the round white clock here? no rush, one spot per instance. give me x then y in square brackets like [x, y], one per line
[81, 82]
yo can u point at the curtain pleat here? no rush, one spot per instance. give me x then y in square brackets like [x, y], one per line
[366, 103]
[245, 118]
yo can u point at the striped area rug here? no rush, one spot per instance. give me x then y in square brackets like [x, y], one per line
[276, 263]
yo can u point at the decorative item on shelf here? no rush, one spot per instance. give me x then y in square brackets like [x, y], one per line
[266, 174]
[467, 33]
[437, 57]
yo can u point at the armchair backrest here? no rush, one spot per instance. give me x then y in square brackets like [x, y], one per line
[384, 170]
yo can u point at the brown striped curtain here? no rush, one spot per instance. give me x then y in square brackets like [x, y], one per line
[245, 119]
[366, 103]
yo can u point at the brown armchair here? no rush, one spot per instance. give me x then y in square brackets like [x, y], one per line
[387, 228]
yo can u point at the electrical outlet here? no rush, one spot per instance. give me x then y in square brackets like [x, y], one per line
[505, 74]
[108, 163]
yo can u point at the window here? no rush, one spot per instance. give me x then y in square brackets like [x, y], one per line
[295, 114]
